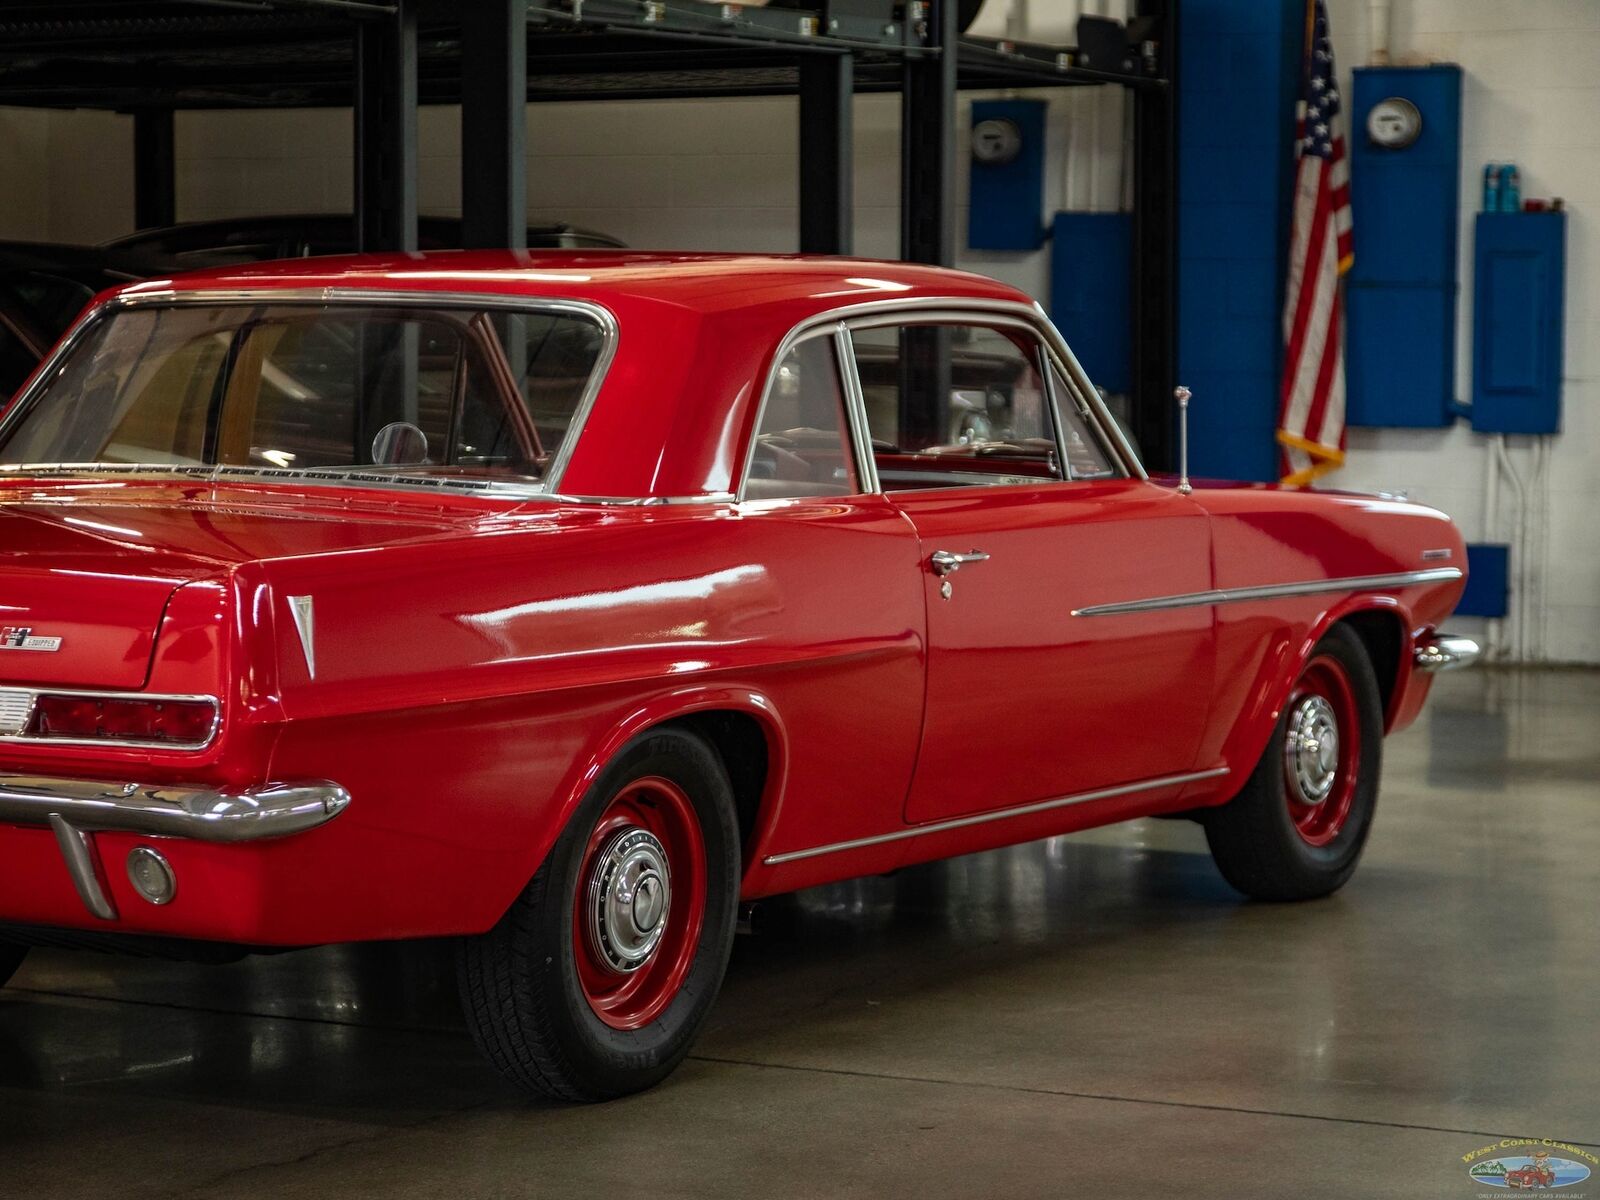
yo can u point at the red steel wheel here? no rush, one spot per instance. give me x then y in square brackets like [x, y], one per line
[1296, 828]
[640, 903]
[1321, 750]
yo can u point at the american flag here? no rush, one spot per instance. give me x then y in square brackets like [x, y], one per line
[1311, 412]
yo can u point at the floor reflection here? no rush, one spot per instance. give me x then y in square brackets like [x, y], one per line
[1449, 986]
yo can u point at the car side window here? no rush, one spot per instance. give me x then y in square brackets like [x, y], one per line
[802, 445]
[954, 405]
[1087, 456]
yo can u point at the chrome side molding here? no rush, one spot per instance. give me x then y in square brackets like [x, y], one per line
[1269, 591]
[1445, 652]
[1002, 814]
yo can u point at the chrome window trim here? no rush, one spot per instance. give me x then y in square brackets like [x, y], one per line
[855, 402]
[804, 332]
[1269, 591]
[986, 321]
[866, 314]
[549, 486]
[33, 694]
[1000, 814]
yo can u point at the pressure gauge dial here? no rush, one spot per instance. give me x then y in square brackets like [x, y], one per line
[1394, 123]
[996, 141]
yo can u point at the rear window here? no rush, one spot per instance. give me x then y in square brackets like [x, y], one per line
[414, 391]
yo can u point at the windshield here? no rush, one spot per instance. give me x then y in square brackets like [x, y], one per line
[420, 391]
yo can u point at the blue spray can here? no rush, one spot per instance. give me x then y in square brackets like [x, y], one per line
[1491, 187]
[1510, 189]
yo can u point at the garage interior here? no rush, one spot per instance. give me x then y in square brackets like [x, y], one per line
[1099, 1013]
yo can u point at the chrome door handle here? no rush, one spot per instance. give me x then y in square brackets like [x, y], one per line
[946, 562]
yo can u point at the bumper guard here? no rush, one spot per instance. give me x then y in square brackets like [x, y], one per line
[75, 808]
[1445, 652]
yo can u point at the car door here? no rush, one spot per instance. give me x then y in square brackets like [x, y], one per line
[1025, 518]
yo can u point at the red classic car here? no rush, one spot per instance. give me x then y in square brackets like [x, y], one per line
[564, 602]
[1533, 1175]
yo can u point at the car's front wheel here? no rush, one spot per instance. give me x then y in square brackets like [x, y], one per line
[595, 982]
[1297, 828]
[11, 957]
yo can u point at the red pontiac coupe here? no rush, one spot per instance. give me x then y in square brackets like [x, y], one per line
[562, 602]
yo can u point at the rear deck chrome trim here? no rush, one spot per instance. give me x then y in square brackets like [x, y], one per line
[1002, 814]
[1269, 591]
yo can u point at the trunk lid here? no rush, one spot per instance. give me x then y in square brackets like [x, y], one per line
[87, 571]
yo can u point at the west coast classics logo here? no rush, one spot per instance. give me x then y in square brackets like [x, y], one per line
[1522, 1164]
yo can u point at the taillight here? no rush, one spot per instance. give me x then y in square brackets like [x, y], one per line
[184, 724]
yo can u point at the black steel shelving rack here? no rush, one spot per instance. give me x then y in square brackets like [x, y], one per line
[386, 57]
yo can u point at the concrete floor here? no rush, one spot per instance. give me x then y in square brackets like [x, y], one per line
[1097, 1015]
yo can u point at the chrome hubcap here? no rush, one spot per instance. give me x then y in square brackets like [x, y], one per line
[1312, 749]
[629, 894]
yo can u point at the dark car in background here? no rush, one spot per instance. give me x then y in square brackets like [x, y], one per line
[43, 287]
[230, 242]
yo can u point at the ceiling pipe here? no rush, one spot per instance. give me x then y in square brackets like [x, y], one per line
[1379, 12]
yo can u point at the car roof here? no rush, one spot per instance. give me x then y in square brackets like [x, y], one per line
[708, 283]
[696, 334]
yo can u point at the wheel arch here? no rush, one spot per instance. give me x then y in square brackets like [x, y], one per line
[1381, 623]
[742, 726]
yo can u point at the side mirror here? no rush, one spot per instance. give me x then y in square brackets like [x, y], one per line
[399, 444]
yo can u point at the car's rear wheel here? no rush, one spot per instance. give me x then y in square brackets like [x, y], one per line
[11, 957]
[1297, 828]
[596, 981]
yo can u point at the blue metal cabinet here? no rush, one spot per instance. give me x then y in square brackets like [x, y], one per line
[1519, 288]
[1006, 201]
[1401, 291]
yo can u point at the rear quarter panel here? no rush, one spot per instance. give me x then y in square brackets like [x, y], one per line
[1264, 536]
[467, 692]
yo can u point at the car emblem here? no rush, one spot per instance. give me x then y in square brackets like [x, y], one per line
[13, 637]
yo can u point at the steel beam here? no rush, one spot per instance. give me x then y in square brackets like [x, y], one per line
[827, 177]
[927, 136]
[155, 188]
[386, 130]
[494, 124]
[1155, 249]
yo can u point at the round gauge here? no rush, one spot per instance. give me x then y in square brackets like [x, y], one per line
[996, 141]
[1394, 123]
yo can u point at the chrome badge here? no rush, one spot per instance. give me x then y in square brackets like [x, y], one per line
[14, 637]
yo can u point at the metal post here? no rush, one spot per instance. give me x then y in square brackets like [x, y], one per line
[927, 137]
[827, 185]
[386, 130]
[494, 124]
[155, 190]
[1155, 241]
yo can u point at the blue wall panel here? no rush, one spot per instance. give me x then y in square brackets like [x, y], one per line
[1238, 71]
[1488, 581]
[1518, 314]
[1091, 276]
[1400, 343]
[1006, 200]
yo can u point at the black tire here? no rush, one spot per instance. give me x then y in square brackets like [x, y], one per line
[1254, 838]
[11, 957]
[521, 988]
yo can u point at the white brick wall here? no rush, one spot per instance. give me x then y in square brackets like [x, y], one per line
[1531, 96]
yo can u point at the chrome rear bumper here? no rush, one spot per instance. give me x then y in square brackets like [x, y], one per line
[1445, 652]
[75, 808]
